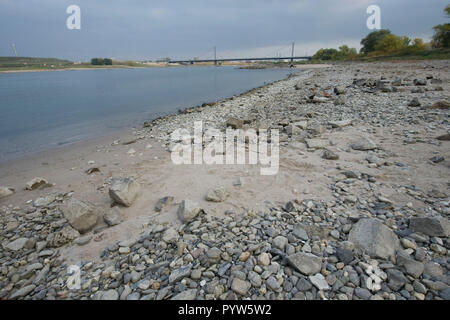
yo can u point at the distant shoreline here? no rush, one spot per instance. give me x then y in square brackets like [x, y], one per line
[306, 66]
[74, 69]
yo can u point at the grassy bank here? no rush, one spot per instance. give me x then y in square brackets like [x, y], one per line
[11, 64]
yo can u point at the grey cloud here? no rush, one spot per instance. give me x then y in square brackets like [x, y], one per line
[139, 29]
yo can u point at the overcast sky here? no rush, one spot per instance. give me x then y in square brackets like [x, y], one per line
[150, 29]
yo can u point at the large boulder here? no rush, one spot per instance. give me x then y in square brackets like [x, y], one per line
[317, 143]
[6, 191]
[37, 183]
[124, 190]
[431, 226]
[306, 263]
[363, 144]
[113, 216]
[374, 238]
[80, 215]
[188, 210]
[217, 195]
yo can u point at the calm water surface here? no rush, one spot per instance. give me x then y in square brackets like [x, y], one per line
[43, 110]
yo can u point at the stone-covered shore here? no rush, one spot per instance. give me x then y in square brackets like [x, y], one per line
[359, 209]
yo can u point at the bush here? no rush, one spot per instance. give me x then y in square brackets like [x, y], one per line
[344, 53]
[391, 43]
[326, 54]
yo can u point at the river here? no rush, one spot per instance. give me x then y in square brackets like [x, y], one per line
[44, 110]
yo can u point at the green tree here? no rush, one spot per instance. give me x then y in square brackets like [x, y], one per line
[390, 43]
[406, 41]
[107, 62]
[441, 37]
[326, 54]
[418, 45]
[347, 53]
[97, 61]
[371, 40]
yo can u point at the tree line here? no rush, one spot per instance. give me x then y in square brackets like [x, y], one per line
[101, 62]
[383, 42]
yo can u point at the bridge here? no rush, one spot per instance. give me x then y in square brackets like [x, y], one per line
[241, 59]
[215, 59]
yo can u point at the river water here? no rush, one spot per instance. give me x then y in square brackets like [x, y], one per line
[44, 110]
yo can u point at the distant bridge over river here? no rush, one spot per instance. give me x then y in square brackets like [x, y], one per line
[192, 61]
[217, 60]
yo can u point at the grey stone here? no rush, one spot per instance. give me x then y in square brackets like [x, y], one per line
[17, 244]
[217, 195]
[180, 273]
[363, 144]
[163, 203]
[6, 191]
[445, 294]
[305, 263]
[363, 293]
[273, 283]
[330, 155]
[66, 235]
[81, 216]
[188, 210]
[396, 279]
[240, 286]
[124, 190]
[170, 236]
[431, 226]
[280, 242]
[317, 143]
[110, 295]
[412, 267]
[376, 239]
[319, 282]
[303, 285]
[36, 183]
[300, 232]
[235, 123]
[22, 292]
[345, 255]
[113, 217]
[254, 279]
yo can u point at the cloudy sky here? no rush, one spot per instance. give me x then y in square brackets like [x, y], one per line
[150, 29]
